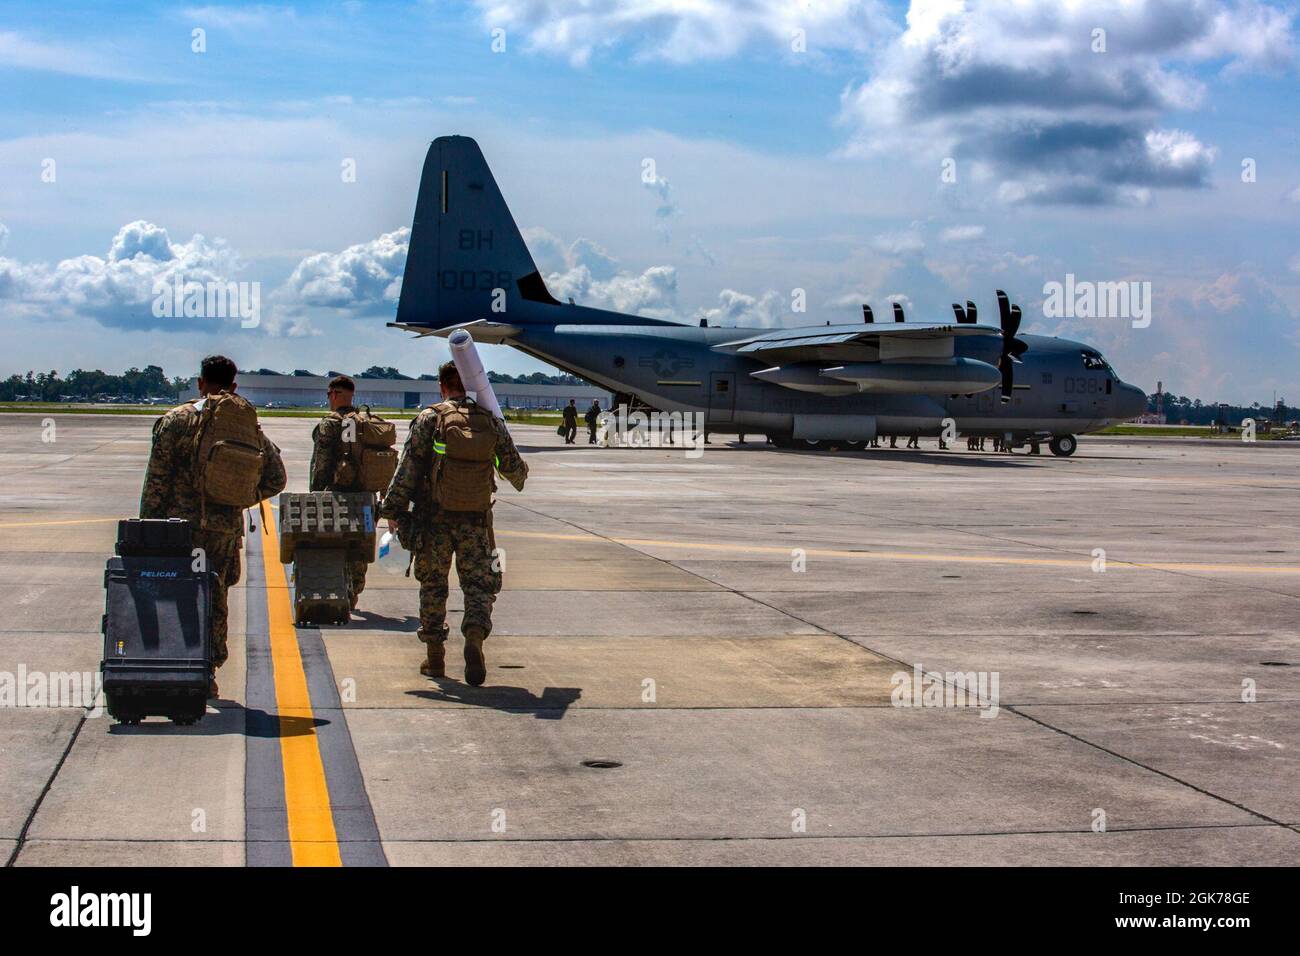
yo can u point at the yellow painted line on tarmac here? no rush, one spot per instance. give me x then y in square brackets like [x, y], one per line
[1077, 564]
[312, 838]
[37, 524]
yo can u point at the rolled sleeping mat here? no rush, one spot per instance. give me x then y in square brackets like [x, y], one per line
[465, 354]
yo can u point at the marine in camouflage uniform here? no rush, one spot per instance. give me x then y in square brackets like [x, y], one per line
[327, 451]
[171, 490]
[435, 535]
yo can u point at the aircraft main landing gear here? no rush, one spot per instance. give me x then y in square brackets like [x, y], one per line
[1063, 446]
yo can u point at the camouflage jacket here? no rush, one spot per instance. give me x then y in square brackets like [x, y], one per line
[327, 449]
[412, 484]
[170, 485]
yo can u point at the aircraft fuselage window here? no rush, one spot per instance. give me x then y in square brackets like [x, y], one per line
[1093, 361]
[722, 385]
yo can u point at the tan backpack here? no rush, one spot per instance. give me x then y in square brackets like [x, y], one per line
[464, 443]
[369, 460]
[228, 465]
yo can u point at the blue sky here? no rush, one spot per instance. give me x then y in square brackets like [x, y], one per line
[815, 168]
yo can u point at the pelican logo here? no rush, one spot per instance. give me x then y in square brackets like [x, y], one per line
[666, 363]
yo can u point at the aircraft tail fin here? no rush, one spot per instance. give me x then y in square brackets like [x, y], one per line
[466, 254]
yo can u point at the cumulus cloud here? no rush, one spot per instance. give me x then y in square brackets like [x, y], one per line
[365, 279]
[362, 278]
[1055, 111]
[120, 288]
[768, 310]
[686, 32]
[25, 52]
[962, 233]
[652, 293]
[585, 272]
[549, 252]
[239, 19]
[898, 244]
[1186, 345]
[598, 262]
[1009, 260]
[847, 307]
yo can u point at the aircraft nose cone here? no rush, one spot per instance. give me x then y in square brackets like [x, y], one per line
[1130, 401]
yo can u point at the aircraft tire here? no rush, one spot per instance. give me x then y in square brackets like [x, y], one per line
[1063, 446]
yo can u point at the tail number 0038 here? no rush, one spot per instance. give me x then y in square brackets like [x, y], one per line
[473, 280]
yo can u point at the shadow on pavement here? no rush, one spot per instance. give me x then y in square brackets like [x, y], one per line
[550, 705]
[231, 718]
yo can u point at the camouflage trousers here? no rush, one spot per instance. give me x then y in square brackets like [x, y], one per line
[471, 544]
[222, 552]
[357, 576]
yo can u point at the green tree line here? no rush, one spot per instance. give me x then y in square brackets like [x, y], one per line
[86, 386]
[140, 385]
[1180, 408]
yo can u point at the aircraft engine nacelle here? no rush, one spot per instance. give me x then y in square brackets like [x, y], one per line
[961, 375]
[804, 378]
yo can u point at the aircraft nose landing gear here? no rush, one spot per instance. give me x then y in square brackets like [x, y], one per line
[1063, 446]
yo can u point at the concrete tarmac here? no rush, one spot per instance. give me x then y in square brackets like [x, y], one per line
[702, 661]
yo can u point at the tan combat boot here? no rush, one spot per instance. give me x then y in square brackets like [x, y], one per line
[475, 662]
[435, 650]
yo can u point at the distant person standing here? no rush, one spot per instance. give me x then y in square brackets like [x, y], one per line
[593, 419]
[570, 422]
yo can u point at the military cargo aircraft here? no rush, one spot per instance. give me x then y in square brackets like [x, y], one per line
[807, 387]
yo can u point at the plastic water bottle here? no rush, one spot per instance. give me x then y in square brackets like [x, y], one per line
[393, 558]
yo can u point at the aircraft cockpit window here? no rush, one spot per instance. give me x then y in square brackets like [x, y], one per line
[1092, 360]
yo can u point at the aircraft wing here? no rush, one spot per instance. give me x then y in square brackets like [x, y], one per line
[488, 333]
[861, 332]
[880, 341]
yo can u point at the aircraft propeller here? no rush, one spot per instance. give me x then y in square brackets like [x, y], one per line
[1012, 347]
[968, 315]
